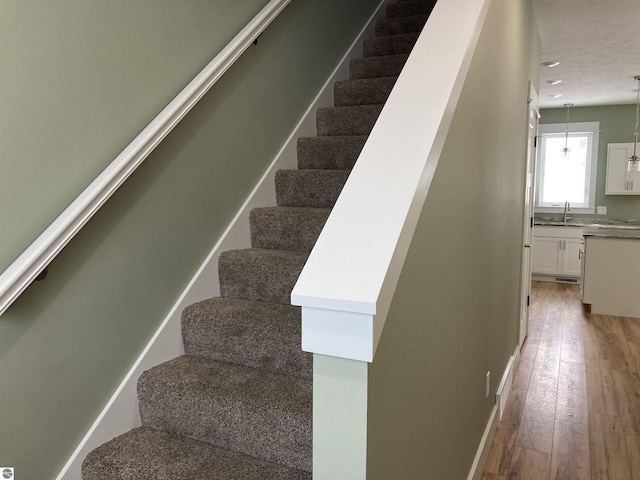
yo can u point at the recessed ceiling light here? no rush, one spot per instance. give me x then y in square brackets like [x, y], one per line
[554, 82]
[555, 95]
[550, 64]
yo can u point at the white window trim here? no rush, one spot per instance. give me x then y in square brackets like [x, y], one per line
[574, 127]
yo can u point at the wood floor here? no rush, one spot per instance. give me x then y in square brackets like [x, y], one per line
[574, 411]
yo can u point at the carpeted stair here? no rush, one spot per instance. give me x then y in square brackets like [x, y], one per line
[237, 405]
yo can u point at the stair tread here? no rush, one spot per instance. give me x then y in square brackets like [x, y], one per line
[407, 8]
[377, 66]
[353, 108]
[309, 188]
[147, 453]
[260, 274]
[389, 44]
[398, 25]
[363, 91]
[337, 152]
[347, 120]
[258, 413]
[366, 81]
[287, 228]
[293, 211]
[254, 334]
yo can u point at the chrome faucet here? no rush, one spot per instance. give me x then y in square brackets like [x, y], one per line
[567, 208]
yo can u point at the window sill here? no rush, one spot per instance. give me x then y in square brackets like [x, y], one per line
[576, 210]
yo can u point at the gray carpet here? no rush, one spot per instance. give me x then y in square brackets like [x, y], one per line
[392, 45]
[355, 92]
[254, 334]
[309, 188]
[147, 453]
[329, 153]
[238, 404]
[287, 228]
[247, 410]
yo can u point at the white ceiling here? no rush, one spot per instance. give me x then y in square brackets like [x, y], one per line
[597, 43]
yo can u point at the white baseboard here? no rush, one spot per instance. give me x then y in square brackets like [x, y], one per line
[485, 444]
[555, 279]
[121, 412]
[504, 388]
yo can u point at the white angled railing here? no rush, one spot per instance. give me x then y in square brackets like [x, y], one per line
[347, 285]
[43, 250]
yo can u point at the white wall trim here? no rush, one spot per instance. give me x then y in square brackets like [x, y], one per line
[546, 129]
[485, 445]
[121, 414]
[504, 389]
[22, 272]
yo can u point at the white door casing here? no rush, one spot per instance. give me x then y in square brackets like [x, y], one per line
[529, 192]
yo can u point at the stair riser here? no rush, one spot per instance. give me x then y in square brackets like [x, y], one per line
[332, 153]
[376, 67]
[362, 92]
[251, 275]
[309, 188]
[286, 228]
[398, 26]
[356, 120]
[391, 45]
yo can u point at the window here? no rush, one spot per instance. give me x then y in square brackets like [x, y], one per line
[570, 178]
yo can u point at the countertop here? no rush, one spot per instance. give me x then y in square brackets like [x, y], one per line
[633, 234]
[590, 224]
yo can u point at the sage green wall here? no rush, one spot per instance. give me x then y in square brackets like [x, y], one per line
[455, 312]
[79, 81]
[617, 123]
[68, 341]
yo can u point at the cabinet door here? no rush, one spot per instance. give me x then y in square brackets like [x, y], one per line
[547, 255]
[619, 181]
[571, 261]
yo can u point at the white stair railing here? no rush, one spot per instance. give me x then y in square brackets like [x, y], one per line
[347, 285]
[21, 273]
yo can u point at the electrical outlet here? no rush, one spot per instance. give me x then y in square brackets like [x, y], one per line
[602, 210]
[487, 385]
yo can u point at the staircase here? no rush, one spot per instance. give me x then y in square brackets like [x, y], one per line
[238, 404]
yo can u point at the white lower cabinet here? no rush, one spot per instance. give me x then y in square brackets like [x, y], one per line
[572, 261]
[547, 255]
[556, 251]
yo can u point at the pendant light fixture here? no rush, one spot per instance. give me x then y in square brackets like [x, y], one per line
[633, 164]
[566, 150]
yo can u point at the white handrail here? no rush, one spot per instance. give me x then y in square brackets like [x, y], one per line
[348, 282]
[15, 279]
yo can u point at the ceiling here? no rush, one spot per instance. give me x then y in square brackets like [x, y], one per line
[597, 43]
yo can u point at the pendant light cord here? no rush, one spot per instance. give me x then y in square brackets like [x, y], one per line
[635, 141]
[565, 150]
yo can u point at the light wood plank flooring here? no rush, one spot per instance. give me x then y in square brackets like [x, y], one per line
[574, 411]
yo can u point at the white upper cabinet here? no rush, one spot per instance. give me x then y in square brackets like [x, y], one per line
[619, 181]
